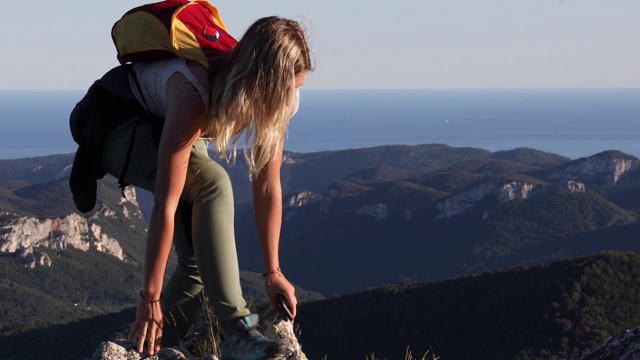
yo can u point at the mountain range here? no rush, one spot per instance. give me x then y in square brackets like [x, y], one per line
[412, 213]
[389, 217]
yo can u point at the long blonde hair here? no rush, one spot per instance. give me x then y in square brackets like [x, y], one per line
[254, 91]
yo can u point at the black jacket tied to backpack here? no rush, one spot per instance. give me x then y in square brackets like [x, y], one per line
[107, 103]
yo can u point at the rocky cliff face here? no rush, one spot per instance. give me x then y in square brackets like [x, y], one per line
[604, 168]
[31, 258]
[503, 191]
[24, 235]
[607, 167]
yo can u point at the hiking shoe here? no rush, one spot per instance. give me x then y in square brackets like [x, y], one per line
[247, 343]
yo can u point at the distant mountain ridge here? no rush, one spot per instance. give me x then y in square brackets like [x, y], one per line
[480, 212]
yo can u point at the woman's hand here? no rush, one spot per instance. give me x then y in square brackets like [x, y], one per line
[276, 284]
[149, 326]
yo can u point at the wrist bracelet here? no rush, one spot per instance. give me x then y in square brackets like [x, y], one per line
[149, 301]
[271, 272]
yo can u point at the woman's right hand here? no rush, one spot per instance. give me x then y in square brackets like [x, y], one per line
[148, 326]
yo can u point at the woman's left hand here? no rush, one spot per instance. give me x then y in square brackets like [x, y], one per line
[148, 327]
[276, 284]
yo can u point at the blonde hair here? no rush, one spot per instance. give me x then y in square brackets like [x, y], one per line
[254, 92]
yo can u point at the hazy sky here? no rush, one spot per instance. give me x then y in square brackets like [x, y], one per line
[66, 44]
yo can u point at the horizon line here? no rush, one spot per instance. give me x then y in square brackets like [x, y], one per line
[388, 89]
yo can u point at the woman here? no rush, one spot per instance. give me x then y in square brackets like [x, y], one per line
[253, 92]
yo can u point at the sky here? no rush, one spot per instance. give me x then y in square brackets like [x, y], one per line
[404, 44]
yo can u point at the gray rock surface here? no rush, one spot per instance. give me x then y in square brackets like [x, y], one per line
[625, 346]
[273, 325]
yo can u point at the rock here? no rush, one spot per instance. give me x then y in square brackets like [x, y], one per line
[503, 191]
[125, 350]
[376, 211]
[570, 186]
[272, 324]
[514, 190]
[276, 326]
[29, 258]
[301, 198]
[625, 346]
[24, 234]
[607, 167]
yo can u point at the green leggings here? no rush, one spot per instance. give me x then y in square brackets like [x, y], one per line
[206, 248]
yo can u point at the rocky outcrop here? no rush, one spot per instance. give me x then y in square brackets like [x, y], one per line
[625, 346]
[570, 186]
[23, 235]
[104, 243]
[502, 191]
[301, 198]
[30, 258]
[125, 350]
[606, 167]
[274, 326]
[296, 200]
[376, 211]
[29, 232]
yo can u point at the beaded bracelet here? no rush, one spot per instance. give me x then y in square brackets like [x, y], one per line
[271, 272]
[149, 301]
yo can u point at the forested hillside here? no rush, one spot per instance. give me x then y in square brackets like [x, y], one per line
[540, 312]
[533, 313]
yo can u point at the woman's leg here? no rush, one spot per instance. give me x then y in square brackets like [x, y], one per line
[208, 189]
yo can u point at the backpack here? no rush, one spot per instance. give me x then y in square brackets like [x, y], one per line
[171, 28]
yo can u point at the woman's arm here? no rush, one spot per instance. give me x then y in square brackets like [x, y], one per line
[267, 198]
[182, 127]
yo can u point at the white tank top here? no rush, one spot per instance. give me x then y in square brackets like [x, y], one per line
[153, 77]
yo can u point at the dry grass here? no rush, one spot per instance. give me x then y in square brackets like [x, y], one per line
[409, 356]
[204, 338]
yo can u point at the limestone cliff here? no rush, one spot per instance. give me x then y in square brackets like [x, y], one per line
[503, 191]
[604, 168]
[607, 167]
[23, 235]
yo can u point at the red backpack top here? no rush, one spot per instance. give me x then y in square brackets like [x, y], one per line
[171, 28]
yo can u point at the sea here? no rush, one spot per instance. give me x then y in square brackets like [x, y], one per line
[571, 122]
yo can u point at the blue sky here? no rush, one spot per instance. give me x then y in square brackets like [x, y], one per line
[376, 44]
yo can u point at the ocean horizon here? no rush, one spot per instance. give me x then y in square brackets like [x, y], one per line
[569, 122]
